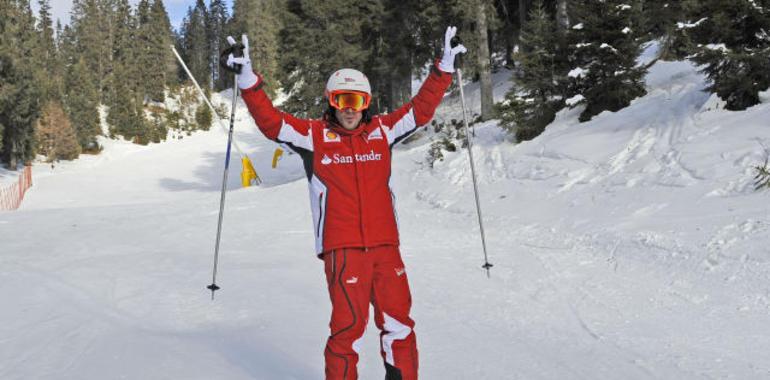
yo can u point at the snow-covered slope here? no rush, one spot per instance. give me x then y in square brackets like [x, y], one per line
[629, 247]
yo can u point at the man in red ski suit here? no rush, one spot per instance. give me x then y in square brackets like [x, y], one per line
[347, 159]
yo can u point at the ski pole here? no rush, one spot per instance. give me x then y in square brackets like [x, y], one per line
[455, 41]
[213, 285]
[234, 48]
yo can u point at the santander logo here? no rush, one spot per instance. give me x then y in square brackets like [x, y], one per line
[337, 158]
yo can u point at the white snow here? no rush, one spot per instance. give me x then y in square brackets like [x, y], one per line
[764, 96]
[8, 177]
[577, 72]
[574, 100]
[762, 35]
[632, 246]
[756, 7]
[608, 46]
[689, 25]
[451, 108]
[721, 47]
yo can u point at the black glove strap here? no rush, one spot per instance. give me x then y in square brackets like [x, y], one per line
[237, 52]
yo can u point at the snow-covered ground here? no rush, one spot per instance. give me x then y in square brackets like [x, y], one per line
[629, 247]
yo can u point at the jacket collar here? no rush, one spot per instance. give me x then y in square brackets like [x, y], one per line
[337, 128]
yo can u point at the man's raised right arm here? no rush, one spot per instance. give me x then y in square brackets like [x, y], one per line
[275, 124]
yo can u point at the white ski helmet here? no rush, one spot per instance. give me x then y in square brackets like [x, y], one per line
[348, 79]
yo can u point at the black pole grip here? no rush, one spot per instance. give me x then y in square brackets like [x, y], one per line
[237, 52]
[453, 43]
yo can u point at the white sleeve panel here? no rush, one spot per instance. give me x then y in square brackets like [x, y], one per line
[290, 136]
[318, 195]
[402, 127]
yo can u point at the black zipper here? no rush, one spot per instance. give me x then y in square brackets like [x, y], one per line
[360, 198]
[334, 265]
[320, 214]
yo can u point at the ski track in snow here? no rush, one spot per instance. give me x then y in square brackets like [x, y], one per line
[629, 247]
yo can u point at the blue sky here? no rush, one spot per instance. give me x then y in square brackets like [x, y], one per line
[177, 9]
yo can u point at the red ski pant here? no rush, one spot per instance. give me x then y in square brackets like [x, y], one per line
[357, 278]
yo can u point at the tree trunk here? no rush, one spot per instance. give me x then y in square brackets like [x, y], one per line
[400, 89]
[13, 161]
[487, 101]
[510, 33]
[562, 18]
[406, 87]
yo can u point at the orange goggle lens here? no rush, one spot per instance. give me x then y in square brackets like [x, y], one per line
[356, 100]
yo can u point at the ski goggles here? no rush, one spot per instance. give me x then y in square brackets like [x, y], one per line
[358, 101]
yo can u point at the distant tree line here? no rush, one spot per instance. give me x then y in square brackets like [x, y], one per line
[588, 55]
[561, 53]
[54, 78]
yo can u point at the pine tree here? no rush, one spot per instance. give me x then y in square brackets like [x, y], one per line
[217, 29]
[56, 137]
[562, 16]
[86, 64]
[533, 102]
[145, 69]
[19, 92]
[389, 69]
[320, 37]
[408, 36]
[259, 20]
[152, 61]
[126, 114]
[161, 55]
[81, 101]
[484, 59]
[665, 20]
[733, 42]
[47, 73]
[478, 26]
[508, 33]
[605, 54]
[661, 16]
[19, 109]
[92, 41]
[203, 117]
[195, 49]
[157, 124]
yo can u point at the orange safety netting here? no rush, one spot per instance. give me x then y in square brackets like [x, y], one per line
[11, 196]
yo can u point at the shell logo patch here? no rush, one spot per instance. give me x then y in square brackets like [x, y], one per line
[331, 136]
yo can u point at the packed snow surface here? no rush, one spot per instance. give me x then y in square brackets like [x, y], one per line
[632, 246]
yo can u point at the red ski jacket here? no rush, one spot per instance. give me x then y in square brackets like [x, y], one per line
[349, 171]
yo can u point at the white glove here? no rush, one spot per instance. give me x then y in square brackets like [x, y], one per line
[247, 78]
[447, 63]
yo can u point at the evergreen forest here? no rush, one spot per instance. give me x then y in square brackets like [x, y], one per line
[110, 70]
